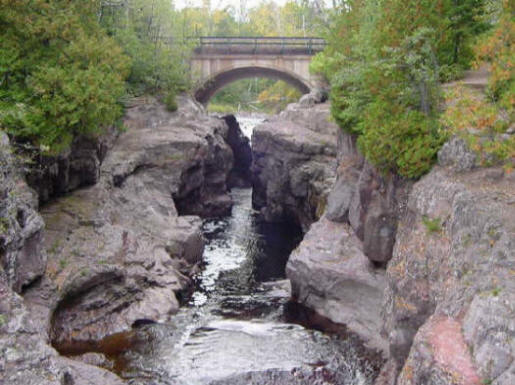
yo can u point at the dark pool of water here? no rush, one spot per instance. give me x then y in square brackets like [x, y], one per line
[239, 326]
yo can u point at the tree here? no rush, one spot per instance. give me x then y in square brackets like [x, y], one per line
[60, 74]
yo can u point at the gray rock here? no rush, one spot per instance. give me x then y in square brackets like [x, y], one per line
[21, 227]
[450, 277]
[25, 357]
[331, 275]
[294, 165]
[456, 154]
[314, 97]
[373, 210]
[339, 200]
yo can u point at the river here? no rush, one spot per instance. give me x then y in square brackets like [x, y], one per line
[239, 327]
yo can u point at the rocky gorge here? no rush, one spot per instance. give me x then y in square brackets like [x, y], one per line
[96, 261]
[420, 272]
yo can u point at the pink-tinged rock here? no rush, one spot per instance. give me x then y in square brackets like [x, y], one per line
[450, 350]
[440, 353]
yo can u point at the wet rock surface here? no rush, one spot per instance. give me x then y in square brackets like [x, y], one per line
[294, 164]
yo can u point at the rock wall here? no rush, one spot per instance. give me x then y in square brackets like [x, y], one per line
[421, 271]
[294, 164]
[450, 301]
[21, 227]
[338, 270]
[79, 166]
[25, 355]
[112, 254]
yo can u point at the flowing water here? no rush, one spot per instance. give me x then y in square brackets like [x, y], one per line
[236, 328]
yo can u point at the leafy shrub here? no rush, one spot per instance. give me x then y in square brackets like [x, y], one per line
[402, 141]
[481, 123]
[497, 49]
[171, 102]
[385, 60]
[60, 75]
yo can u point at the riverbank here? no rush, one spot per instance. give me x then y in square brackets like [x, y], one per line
[397, 261]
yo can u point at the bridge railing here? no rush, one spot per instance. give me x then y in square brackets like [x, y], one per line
[258, 45]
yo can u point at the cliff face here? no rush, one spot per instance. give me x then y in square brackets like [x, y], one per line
[115, 253]
[449, 306]
[420, 271]
[294, 164]
[339, 268]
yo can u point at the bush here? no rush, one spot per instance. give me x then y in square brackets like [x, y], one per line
[61, 74]
[481, 124]
[401, 140]
[497, 48]
[171, 102]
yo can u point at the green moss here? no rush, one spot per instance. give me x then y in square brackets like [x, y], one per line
[432, 225]
[3, 320]
[63, 262]
[496, 291]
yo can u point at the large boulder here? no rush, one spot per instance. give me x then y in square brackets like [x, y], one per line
[330, 274]
[294, 164]
[366, 199]
[185, 153]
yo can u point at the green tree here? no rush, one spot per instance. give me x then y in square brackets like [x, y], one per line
[149, 32]
[60, 74]
[383, 60]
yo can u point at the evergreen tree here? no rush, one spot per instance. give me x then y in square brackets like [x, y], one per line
[60, 75]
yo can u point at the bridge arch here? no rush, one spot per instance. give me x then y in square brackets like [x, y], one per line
[215, 83]
[218, 61]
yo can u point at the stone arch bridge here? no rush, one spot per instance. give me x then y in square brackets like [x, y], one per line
[218, 61]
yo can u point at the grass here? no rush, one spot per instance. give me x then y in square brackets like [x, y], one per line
[54, 247]
[432, 225]
[63, 263]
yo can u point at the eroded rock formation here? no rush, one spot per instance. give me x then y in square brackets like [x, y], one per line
[113, 254]
[449, 306]
[422, 271]
[294, 164]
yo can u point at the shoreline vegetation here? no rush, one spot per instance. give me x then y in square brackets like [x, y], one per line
[66, 69]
